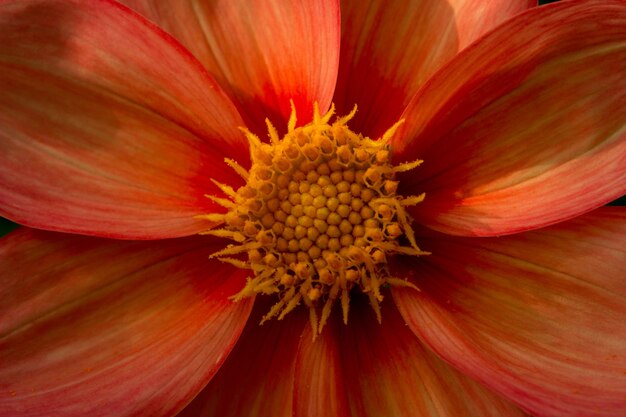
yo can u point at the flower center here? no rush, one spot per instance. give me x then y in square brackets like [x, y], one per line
[318, 217]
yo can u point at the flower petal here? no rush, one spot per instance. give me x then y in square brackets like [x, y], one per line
[525, 128]
[94, 327]
[263, 52]
[474, 18]
[390, 48]
[320, 385]
[107, 125]
[257, 378]
[539, 317]
[389, 372]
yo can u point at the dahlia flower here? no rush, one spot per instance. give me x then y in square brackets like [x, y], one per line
[324, 208]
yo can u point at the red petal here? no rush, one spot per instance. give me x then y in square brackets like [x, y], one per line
[388, 372]
[539, 317]
[257, 378]
[320, 385]
[108, 126]
[525, 128]
[390, 48]
[266, 52]
[94, 327]
[474, 18]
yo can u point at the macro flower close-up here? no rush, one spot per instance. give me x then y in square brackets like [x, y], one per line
[268, 208]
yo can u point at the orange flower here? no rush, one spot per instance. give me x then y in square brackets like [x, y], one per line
[113, 131]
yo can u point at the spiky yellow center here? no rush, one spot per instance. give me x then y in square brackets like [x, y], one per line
[318, 217]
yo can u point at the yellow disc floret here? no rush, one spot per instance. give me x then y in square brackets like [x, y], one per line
[318, 217]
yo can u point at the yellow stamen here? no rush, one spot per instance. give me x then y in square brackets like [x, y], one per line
[238, 168]
[318, 217]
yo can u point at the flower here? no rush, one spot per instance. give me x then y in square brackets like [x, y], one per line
[113, 131]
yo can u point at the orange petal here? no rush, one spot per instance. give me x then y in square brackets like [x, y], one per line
[263, 52]
[107, 125]
[474, 18]
[257, 378]
[539, 317]
[390, 48]
[95, 327]
[525, 128]
[388, 372]
[320, 385]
